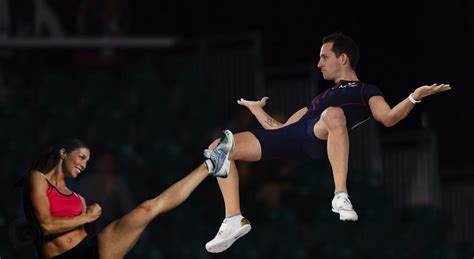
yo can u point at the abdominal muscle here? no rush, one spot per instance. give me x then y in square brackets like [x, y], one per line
[59, 244]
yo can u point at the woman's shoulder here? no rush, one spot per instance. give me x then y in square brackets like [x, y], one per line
[34, 174]
[36, 178]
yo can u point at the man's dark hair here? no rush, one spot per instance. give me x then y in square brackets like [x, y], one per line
[344, 44]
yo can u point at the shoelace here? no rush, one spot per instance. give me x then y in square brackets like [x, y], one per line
[346, 203]
[216, 155]
[224, 229]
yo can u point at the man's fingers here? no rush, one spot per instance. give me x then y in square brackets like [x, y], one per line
[244, 102]
[442, 87]
[445, 88]
[436, 88]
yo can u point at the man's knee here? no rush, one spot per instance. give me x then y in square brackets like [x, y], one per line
[334, 117]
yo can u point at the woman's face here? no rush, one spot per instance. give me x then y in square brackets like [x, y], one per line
[75, 161]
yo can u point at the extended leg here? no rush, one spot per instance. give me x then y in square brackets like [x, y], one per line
[119, 237]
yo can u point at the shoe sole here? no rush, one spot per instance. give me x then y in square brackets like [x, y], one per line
[225, 244]
[345, 215]
[230, 138]
[231, 135]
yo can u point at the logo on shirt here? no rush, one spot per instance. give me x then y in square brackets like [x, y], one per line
[349, 84]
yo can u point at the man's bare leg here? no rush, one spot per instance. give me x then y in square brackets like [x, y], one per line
[230, 191]
[332, 127]
[247, 148]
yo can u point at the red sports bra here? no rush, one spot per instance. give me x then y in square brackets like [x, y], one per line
[63, 205]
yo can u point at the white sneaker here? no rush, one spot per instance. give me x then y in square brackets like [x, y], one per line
[230, 230]
[342, 205]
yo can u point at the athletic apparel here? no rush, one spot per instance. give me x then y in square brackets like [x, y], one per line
[293, 142]
[231, 229]
[88, 248]
[343, 206]
[297, 140]
[218, 159]
[352, 96]
[63, 205]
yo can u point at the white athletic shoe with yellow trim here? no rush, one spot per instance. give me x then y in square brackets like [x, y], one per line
[231, 229]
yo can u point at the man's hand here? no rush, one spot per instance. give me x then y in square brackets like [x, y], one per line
[427, 90]
[250, 104]
[93, 212]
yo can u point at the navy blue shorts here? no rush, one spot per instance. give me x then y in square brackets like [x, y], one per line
[88, 248]
[293, 142]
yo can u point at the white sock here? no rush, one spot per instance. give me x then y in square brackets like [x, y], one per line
[210, 165]
[235, 218]
[340, 192]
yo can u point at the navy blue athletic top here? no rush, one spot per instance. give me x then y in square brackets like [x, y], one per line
[352, 96]
[297, 140]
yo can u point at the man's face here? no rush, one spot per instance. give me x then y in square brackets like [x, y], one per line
[328, 62]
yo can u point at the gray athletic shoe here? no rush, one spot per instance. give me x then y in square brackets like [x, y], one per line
[218, 158]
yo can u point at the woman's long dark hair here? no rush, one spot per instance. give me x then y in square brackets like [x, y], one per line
[48, 156]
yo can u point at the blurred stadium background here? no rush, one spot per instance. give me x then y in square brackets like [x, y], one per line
[154, 88]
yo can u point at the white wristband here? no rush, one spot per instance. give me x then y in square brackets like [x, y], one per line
[412, 100]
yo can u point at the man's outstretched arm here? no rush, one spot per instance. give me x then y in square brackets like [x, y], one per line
[267, 121]
[391, 116]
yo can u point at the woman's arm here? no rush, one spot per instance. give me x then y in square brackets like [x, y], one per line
[39, 202]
